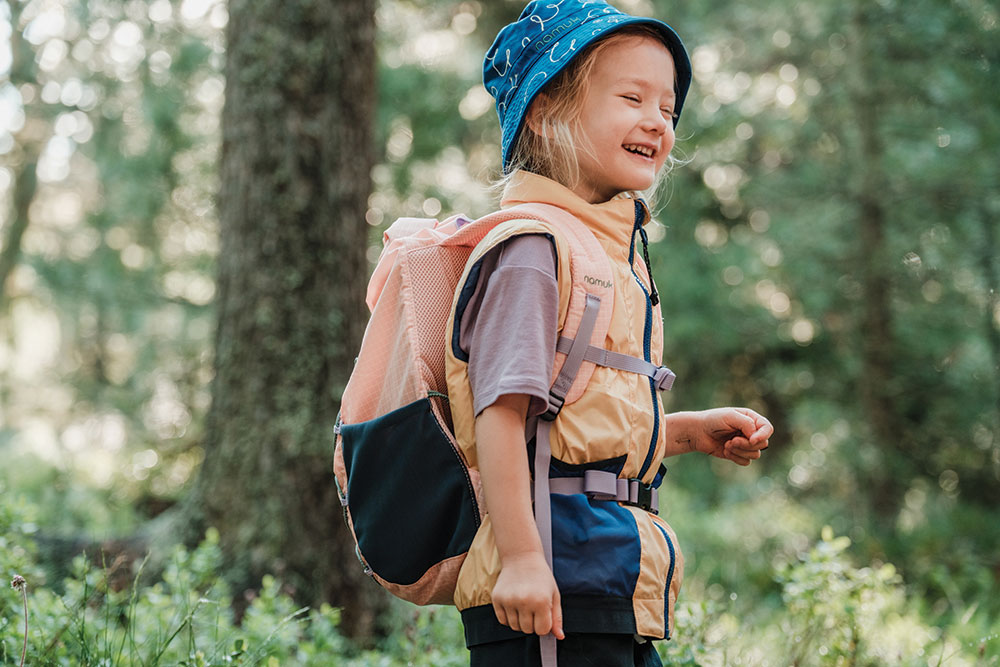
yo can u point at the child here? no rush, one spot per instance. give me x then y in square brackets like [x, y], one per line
[588, 98]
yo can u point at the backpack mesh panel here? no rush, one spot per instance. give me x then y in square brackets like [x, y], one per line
[404, 346]
[429, 268]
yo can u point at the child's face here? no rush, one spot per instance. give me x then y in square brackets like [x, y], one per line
[626, 123]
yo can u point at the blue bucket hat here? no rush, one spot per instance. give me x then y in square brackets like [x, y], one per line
[543, 41]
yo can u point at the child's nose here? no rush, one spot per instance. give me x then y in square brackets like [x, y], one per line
[655, 121]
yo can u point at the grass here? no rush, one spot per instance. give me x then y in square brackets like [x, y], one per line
[756, 593]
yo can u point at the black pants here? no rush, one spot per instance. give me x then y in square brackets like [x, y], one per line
[577, 650]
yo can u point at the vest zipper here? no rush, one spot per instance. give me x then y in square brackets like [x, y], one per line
[670, 578]
[646, 336]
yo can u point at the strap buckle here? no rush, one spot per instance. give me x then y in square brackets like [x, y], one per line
[664, 378]
[643, 496]
[555, 405]
[603, 485]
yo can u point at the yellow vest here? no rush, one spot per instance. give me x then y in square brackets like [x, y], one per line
[608, 556]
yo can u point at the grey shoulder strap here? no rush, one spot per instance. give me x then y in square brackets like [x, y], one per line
[663, 376]
[577, 350]
[543, 447]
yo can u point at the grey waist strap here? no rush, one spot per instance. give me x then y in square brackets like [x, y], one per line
[603, 485]
[662, 376]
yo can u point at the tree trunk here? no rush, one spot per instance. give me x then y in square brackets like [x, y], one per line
[22, 70]
[869, 192]
[991, 273]
[296, 158]
[10, 246]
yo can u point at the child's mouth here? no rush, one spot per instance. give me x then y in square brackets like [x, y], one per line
[644, 151]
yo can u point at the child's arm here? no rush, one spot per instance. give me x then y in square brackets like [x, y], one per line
[525, 597]
[736, 434]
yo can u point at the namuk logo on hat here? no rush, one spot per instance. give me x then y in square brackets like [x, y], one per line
[548, 35]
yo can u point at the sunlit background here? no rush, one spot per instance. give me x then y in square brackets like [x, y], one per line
[840, 161]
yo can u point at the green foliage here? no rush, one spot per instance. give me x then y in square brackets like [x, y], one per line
[831, 613]
[834, 607]
[186, 617]
[17, 557]
[115, 265]
[105, 332]
[765, 231]
[824, 610]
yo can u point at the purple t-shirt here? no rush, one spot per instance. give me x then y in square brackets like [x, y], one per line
[508, 328]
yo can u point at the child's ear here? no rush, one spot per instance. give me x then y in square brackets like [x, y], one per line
[536, 111]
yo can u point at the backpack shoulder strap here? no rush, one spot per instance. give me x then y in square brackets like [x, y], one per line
[591, 281]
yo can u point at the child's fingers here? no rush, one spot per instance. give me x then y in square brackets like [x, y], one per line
[546, 620]
[749, 444]
[739, 450]
[762, 435]
[520, 622]
[739, 460]
[501, 614]
[542, 623]
[763, 431]
[744, 456]
[735, 422]
[513, 619]
[756, 427]
[557, 621]
[742, 446]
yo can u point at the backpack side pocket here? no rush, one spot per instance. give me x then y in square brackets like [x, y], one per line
[411, 500]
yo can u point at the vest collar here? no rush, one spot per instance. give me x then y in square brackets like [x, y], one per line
[613, 220]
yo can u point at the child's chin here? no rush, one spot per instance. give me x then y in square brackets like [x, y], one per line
[641, 185]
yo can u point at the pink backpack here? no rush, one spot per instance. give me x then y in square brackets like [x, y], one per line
[409, 497]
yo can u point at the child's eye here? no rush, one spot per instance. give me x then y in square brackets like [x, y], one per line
[668, 112]
[631, 98]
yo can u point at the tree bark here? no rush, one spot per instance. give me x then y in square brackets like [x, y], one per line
[875, 266]
[991, 273]
[22, 70]
[295, 179]
[10, 247]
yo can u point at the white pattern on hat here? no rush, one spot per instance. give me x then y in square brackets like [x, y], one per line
[552, 51]
[534, 18]
[494, 64]
[527, 89]
[510, 91]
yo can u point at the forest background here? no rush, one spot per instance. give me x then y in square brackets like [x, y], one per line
[181, 294]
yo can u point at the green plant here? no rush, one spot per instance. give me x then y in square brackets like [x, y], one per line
[829, 602]
[827, 611]
[19, 584]
[186, 616]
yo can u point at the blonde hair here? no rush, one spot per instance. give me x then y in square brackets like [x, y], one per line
[550, 144]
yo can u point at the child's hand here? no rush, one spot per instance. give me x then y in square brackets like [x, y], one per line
[736, 434]
[526, 597]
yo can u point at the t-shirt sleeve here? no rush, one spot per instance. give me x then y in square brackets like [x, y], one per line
[509, 326]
